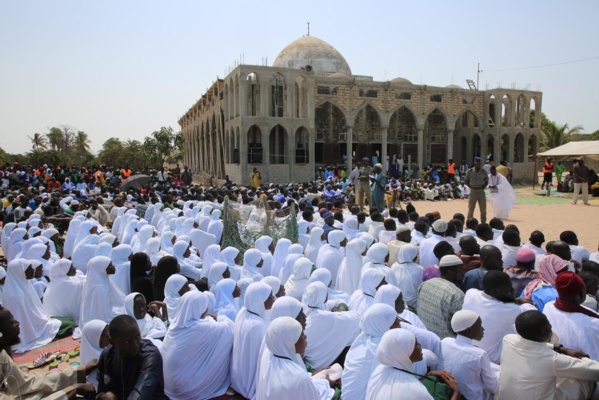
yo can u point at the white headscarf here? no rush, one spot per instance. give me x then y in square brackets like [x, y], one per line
[331, 255]
[274, 283]
[172, 298]
[281, 251]
[216, 226]
[201, 240]
[250, 328]
[71, 238]
[406, 274]
[348, 278]
[298, 282]
[361, 359]
[363, 298]
[243, 284]
[376, 255]
[120, 259]
[153, 250]
[328, 332]
[37, 328]
[216, 274]
[36, 252]
[228, 255]
[210, 256]
[251, 258]
[225, 302]
[143, 236]
[350, 227]
[85, 246]
[166, 243]
[315, 244]
[192, 369]
[334, 296]
[294, 252]
[303, 235]
[285, 307]
[6, 232]
[90, 341]
[262, 245]
[16, 243]
[387, 381]
[102, 299]
[64, 293]
[149, 327]
[280, 374]
[188, 269]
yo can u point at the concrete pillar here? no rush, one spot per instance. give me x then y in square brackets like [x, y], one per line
[265, 154]
[243, 155]
[449, 144]
[290, 149]
[384, 149]
[349, 146]
[420, 149]
[510, 151]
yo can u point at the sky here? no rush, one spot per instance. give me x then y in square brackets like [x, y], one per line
[126, 68]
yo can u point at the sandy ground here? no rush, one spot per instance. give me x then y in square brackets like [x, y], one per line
[551, 215]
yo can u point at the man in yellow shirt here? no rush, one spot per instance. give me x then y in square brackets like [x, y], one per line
[255, 178]
[502, 168]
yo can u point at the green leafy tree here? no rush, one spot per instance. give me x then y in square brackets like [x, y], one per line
[4, 156]
[555, 135]
[163, 146]
[38, 141]
[112, 152]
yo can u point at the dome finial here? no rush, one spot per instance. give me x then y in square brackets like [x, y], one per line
[308, 28]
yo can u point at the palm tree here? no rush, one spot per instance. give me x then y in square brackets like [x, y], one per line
[82, 142]
[555, 135]
[55, 139]
[38, 141]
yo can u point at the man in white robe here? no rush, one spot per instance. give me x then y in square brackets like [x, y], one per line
[502, 194]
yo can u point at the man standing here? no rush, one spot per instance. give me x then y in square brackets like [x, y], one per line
[581, 181]
[186, 176]
[559, 170]
[502, 169]
[463, 169]
[363, 187]
[353, 176]
[477, 179]
[255, 178]
[502, 194]
[450, 171]
[547, 173]
[378, 193]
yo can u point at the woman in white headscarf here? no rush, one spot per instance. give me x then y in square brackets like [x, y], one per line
[406, 274]
[16, 242]
[294, 253]
[316, 242]
[331, 255]
[94, 338]
[298, 282]
[215, 227]
[41, 252]
[143, 236]
[153, 250]
[243, 284]
[158, 214]
[250, 328]
[266, 246]
[175, 287]
[329, 332]
[350, 227]
[334, 296]
[211, 255]
[278, 290]
[350, 270]
[201, 240]
[182, 251]
[135, 238]
[50, 237]
[34, 231]
[37, 327]
[130, 229]
[197, 369]
[218, 272]
[120, 256]
[232, 257]
[167, 241]
[303, 233]
[393, 378]
[65, 290]
[102, 299]
[150, 327]
[85, 246]
[6, 232]
[378, 255]
[71, 237]
[281, 251]
[226, 293]
[281, 377]
[252, 265]
[361, 357]
[27, 245]
[363, 298]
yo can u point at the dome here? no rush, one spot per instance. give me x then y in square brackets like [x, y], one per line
[453, 87]
[309, 50]
[401, 80]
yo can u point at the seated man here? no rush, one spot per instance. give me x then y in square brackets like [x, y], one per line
[532, 368]
[477, 377]
[132, 367]
[37, 385]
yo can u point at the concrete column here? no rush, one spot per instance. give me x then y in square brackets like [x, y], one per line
[510, 151]
[349, 145]
[290, 149]
[265, 154]
[384, 149]
[449, 144]
[420, 148]
[243, 155]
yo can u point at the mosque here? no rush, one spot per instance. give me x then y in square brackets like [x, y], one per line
[309, 110]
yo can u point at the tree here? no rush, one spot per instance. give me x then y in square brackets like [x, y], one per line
[164, 146]
[555, 135]
[112, 152]
[38, 141]
[4, 156]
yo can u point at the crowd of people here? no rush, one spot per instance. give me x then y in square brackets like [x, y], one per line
[371, 302]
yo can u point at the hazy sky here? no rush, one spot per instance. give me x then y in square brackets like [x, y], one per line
[125, 68]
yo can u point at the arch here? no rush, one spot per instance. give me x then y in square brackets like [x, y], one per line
[532, 113]
[330, 122]
[237, 158]
[521, 111]
[468, 120]
[435, 137]
[463, 148]
[490, 145]
[254, 142]
[367, 124]
[532, 146]
[476, 147]
[253, 98]
[505, 147]
[301, 97]
[302, 145]
[226, 102]
[277, 141]
[519, 150]
[277, 96]
[402, 126]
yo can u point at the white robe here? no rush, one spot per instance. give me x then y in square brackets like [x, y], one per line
[502, 199]
[348, 278]
[64, 293]
[331, 255]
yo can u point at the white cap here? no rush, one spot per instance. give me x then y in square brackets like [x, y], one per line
[463, 320]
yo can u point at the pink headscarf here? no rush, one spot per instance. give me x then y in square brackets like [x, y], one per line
[549, 266]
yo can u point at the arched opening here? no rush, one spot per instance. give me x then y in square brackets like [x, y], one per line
[226, 102]
[368, 133]
[253, 100]
[491, 112]
[519, 149]
[476, 146]
[505, 148]
[254, 136]
[521, 111]
[402, 134]
[435, 137]
[302, 143]
[236, 156]
[301, 98]
[532, 113]
[490, 147]
[463, 149]
[330, 125]
[532, 146]
[235, 102]
[506, 106]
[468, 120]
[277, 141]
[277, 96]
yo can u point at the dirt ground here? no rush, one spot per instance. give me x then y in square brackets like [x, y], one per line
[551, 215]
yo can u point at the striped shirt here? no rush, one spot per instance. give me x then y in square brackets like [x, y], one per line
[438, 300]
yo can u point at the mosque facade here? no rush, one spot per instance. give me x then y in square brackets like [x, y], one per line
[309, 110]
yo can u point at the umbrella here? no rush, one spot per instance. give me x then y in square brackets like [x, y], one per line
[134, 182]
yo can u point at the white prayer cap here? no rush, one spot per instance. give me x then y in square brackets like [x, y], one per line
[440, 226]
[450, 261]
[463, 320]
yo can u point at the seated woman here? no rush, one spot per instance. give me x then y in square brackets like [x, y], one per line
[176, 286]
[278, 290]
[141, 275]
[150, 327]
[197, 369]
[94, 338]
[37, 327]
[281, 376]
[64, 280]
[218, 272]
[167, 266]
[542, 290]
[334, 296]
[393, 378]
[372, 279]
[121, 259]
[227, 293]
